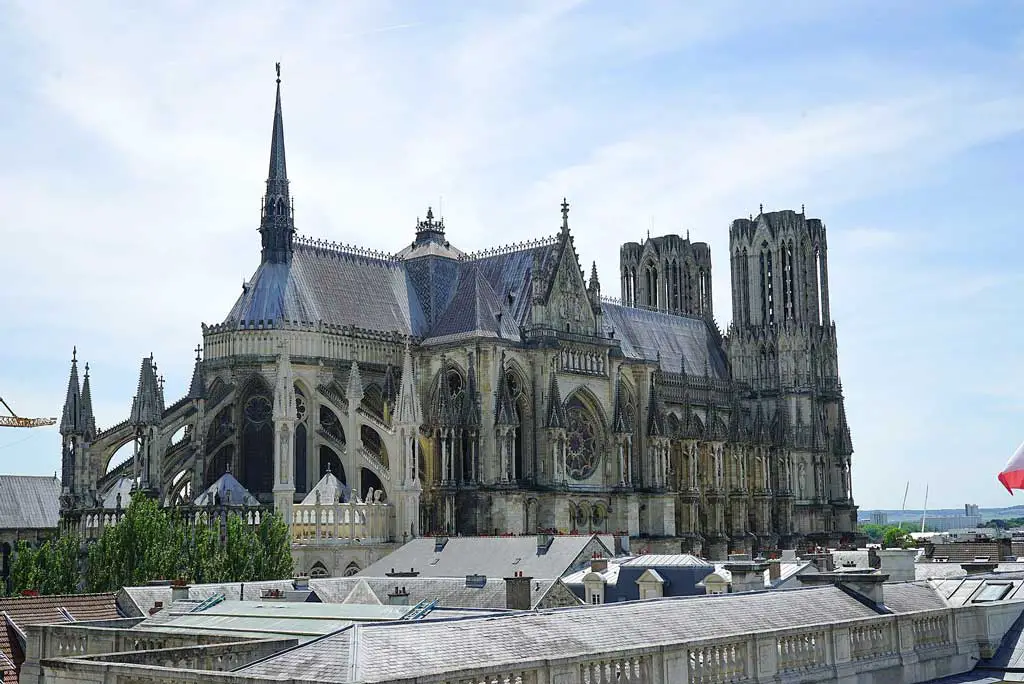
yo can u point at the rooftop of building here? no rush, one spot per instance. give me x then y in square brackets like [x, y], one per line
[29, 502]
[492, 556]
[365, 652]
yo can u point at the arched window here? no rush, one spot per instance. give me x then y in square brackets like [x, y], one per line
[299, 468]
[515, 390]
[257, 452]
[319, 570]
[767, 296]
[583, 433]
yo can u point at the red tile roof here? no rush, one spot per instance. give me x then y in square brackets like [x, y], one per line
[21, 611]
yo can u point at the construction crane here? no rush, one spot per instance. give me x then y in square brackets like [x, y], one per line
[14, 420]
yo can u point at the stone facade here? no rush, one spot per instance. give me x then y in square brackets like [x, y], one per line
[499, 392]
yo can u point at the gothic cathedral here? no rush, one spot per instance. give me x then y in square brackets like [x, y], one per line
[500, 392]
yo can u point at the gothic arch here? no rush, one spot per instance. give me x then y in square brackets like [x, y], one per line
[373, 400]
[330, 460]
[372, 441]
[352, 569]
[516, 381]
[256, 453]
[318, 570]
[331, 424]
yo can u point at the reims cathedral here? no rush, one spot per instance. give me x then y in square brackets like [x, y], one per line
[500, 392]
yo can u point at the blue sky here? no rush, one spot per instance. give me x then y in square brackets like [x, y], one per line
[135, 144]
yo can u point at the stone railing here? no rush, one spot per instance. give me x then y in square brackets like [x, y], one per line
[341, 522]
[900, 649]
[310, 341]
[92, 521]
[209, 657]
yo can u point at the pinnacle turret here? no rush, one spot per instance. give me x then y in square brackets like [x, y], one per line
[554, 417]
[70, 421]
[87, 420]
[407, 405]
[147, 407]
[277, 226]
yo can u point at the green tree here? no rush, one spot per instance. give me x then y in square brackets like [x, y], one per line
[275, 548]
[894, 537]
[25, 572]
[58, 565]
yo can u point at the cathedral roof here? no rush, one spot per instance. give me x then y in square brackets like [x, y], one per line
[670, 339]
[334, 287]
[330, 489]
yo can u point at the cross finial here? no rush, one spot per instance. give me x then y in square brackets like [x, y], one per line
[199, 348]
[802, 211]
[87, 368]
[565, 213]
[277, 68]
[328, 466]
[761, 208]
[74, 354]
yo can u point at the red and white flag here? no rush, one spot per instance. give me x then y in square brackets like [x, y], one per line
[1012, 476]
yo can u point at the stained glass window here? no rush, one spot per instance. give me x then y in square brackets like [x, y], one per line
[582, 449]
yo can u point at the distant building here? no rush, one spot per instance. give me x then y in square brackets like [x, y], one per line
[879, 518]
[29, 510]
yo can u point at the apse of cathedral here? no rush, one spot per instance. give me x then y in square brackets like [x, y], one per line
[500, 393]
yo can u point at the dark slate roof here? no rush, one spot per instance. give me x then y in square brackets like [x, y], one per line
[908, 597]
[488, 556]
[334, 287]
[365, 653]
[29, 502]
[512, 274]
[675, 340]
[473, 311]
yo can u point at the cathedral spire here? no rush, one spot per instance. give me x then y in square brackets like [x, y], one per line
[407, 405]
[147, 408]
[70, 421]
[88, 420]
[504, 407]
[277, 226]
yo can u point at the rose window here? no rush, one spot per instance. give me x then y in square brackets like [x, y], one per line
[582, 443]
[258, 409]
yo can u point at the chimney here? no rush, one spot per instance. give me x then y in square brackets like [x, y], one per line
[898, 564]
[517, 592]
[398, 597]
[157, 607]
[746, 575]
[598, 564]
[867, 583]
[179, 591]
[774, 570]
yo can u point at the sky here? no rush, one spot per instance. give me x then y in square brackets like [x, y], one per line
[135, 142]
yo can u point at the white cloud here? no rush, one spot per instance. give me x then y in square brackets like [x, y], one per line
[501, 111]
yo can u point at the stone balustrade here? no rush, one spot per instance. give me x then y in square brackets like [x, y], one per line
[304, 341]
[368, 522]
[895, 649]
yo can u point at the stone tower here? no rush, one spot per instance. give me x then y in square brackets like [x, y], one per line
[667, 273]
[782, 346]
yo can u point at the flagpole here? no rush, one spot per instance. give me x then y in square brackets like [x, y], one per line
[924, 513]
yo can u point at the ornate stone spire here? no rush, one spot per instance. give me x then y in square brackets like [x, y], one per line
[147, 407]
[197, 389]
[355, 387]
[565, 215]
[471, 414]
[277, 227]
[655, 421]
[407, 405]
[554, 417]
[622, 422]
[88, 420]
[430, 230]
[70, 421]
